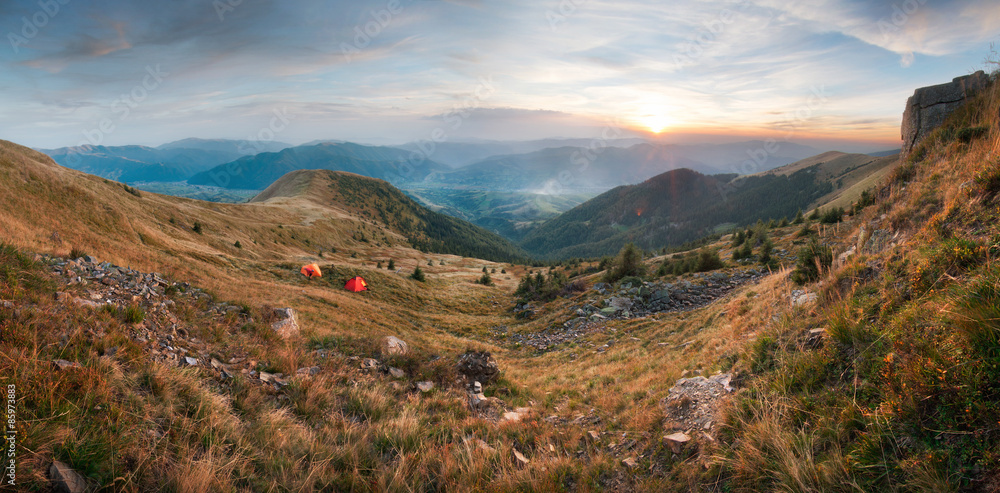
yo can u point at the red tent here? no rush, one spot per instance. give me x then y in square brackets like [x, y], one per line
[311, 270]
[356, 284]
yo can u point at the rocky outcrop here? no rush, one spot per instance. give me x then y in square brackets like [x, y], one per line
[928, 108]
[478, 366]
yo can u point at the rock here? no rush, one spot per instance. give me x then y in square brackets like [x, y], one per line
[267, 377]
[517, 414]
[478, 366]
[63, 296]
[394, 346]
[723, 379]
[608, 312]
[519, 458]
[62, 364]
[593, 436]
[87, 303]
[485, 447]
[87, 259]
[369, 364]
[307, 372]
[65, 480]
[928, 108]
[287, 324]
[803, 298]
[676, 441]
[397, 373]
[630, 463]
[6, 304]
[425, 386]
[479, 401]
[477, 388]
[189, 361]
[108, 281]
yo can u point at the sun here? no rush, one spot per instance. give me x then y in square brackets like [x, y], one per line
[656, 123]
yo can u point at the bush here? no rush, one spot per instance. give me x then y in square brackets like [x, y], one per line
[378, 265]
[486, 280]
[76, 253]
[798, 218]
[197, 227]
[392, 264]
[813, 259]
[765, 252]
[832, 216]
[627, 263]
[744, 252]
[631, 281]
[238, 244]
[708, 259]
[418, 275]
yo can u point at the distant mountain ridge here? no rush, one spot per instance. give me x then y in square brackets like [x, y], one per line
[261, 170]
[682, 205]
[139, 163]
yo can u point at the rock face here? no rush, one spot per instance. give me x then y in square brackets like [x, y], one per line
[929, 106]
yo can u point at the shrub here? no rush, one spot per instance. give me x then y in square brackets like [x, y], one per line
[798, 218]
[503, 271]
[238, 244]
[486, 280]
[627, 263]
[744, 252]
[765, 252]
[197, 227]
[708, 259]
[418, 275]
[813, 259]
[76, 253]
[832, 216]
[392, 264]
[631, 281]
[378, 265]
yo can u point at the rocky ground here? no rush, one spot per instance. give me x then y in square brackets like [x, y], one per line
[605, 303]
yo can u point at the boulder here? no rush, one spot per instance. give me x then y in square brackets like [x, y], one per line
[478, 366]
[65, 480]
[394, 346]
[676, 441]
[425, 386]
[928, 108]
[287, 324]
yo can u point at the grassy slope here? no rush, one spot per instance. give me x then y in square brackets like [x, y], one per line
[870, 410]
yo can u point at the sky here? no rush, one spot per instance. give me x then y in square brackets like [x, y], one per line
[391, 71]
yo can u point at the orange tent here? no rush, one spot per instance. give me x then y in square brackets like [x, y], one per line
[356, 284]
[311, 270]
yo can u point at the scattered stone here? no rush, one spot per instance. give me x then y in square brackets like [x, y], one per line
[397, 373]
[478, 366]
[189, 361]
[676, 441]
[519, 458]
[593, 436]
[307, 372]
[425, 386]
[630, 463]
[369, 364]
[517, 414]
[62, 364]
[287, 324]
[65, 480]
[394, 346]
[6, 304]
[62, 296]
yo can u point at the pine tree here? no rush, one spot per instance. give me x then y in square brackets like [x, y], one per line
[418, 275]
[392, 264]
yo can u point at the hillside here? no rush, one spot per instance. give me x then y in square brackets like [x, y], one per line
[260, 171]
[669, 210]
[377, 201]
[237, 147]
